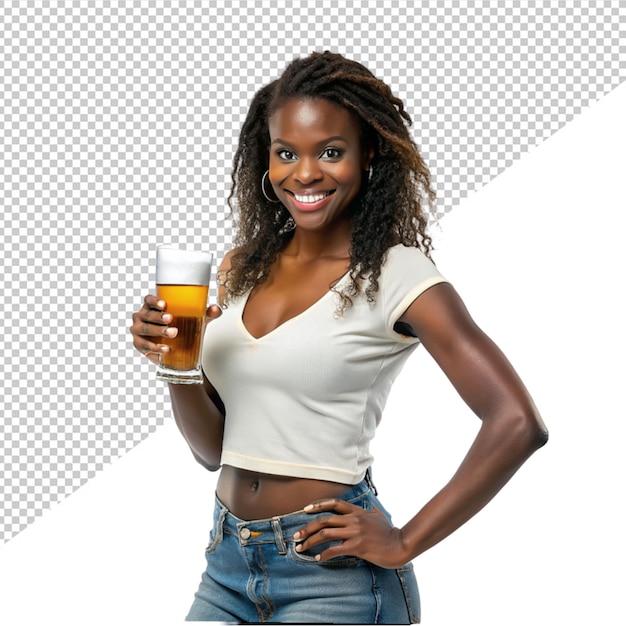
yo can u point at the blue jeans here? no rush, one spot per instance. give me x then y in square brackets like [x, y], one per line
[254, 574]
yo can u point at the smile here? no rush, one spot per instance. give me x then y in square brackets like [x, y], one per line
[310, 199]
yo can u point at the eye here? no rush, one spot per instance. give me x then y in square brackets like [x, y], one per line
[332, 153]
[286, 155]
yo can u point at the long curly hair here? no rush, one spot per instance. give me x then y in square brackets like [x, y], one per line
[391, 206]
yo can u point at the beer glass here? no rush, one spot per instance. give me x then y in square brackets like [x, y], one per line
[182, 278]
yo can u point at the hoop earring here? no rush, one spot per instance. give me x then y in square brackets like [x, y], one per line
[273, 201]
[369, 174]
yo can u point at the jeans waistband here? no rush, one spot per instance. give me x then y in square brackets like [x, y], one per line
[278, 529]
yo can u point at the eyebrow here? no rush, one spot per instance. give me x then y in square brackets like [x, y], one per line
[320, 143]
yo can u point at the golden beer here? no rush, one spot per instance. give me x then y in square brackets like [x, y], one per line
[187, 305]
[182, 278]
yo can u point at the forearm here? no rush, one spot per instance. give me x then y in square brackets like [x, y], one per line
[496, 454]
[200, 422]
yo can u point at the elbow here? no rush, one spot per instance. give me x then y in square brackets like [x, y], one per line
[542, 436]
[207, 466]
[211, 468]
[531, 430]
[520, 432]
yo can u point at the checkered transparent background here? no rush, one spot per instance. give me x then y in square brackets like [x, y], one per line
[118, 122]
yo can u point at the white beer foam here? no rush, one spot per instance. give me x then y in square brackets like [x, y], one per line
[176, 266]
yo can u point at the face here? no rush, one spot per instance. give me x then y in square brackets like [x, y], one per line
[317, 161]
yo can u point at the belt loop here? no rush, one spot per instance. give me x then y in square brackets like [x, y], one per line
[219, 525]
[278, 535]
[369, 481]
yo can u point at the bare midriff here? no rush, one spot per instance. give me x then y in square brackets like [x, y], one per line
[293, 286]
[252, 495]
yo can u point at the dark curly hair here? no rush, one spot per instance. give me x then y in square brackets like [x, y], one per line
[390, 206]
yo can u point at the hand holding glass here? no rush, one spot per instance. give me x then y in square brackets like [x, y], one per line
[182, 278]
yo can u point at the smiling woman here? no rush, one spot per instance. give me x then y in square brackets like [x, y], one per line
[328, 290]
[317, 162]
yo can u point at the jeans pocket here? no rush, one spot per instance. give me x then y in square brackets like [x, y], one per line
[213, 541]
[406, 575]
[216, 535]
[308, 557]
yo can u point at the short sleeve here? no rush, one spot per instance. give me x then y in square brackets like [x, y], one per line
[406, 274]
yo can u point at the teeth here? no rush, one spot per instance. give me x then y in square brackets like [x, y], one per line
[311, 199]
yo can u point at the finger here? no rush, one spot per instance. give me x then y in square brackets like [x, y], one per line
[320, 529]
[150, 349]
[153, 311]
[154, 358]
[153, 316]
[319, 526]
[332, 504]
[158, 330]
[323, 535]
[152, 324]
[341, 549]
[153, 302]
[145, 334]
[149, 322]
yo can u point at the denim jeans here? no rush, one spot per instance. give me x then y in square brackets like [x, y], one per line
[254, 574]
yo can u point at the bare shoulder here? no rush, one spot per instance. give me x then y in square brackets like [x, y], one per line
[222, 273]
[440, 312]
[226, 263]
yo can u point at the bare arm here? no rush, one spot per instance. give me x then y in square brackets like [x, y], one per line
[511, 428]
[200, 419]
[198, 410]
[510, 432]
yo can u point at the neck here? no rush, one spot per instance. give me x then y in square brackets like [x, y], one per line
[309, 245]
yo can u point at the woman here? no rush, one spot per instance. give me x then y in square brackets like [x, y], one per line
[329, 289]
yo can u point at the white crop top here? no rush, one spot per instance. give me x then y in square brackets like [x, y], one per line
[304, 400]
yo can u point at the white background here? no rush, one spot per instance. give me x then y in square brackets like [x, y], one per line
[538, 257]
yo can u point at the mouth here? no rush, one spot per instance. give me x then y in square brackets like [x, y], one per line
[310, 201]
[312, 198]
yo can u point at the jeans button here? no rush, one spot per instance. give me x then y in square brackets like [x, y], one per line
[245, 533]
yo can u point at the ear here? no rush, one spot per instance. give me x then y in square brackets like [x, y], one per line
[368, 156]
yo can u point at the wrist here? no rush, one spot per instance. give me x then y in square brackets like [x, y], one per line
[404, 553]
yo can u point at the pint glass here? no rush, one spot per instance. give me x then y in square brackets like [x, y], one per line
[182, 278]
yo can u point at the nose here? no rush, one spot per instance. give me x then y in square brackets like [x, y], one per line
[308, 171]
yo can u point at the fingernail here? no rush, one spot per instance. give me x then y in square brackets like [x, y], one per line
[166, 317]
[299, 548]
[161, 304]
[308, 507]
[165, 348]
[296, 536]
[171, 332]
